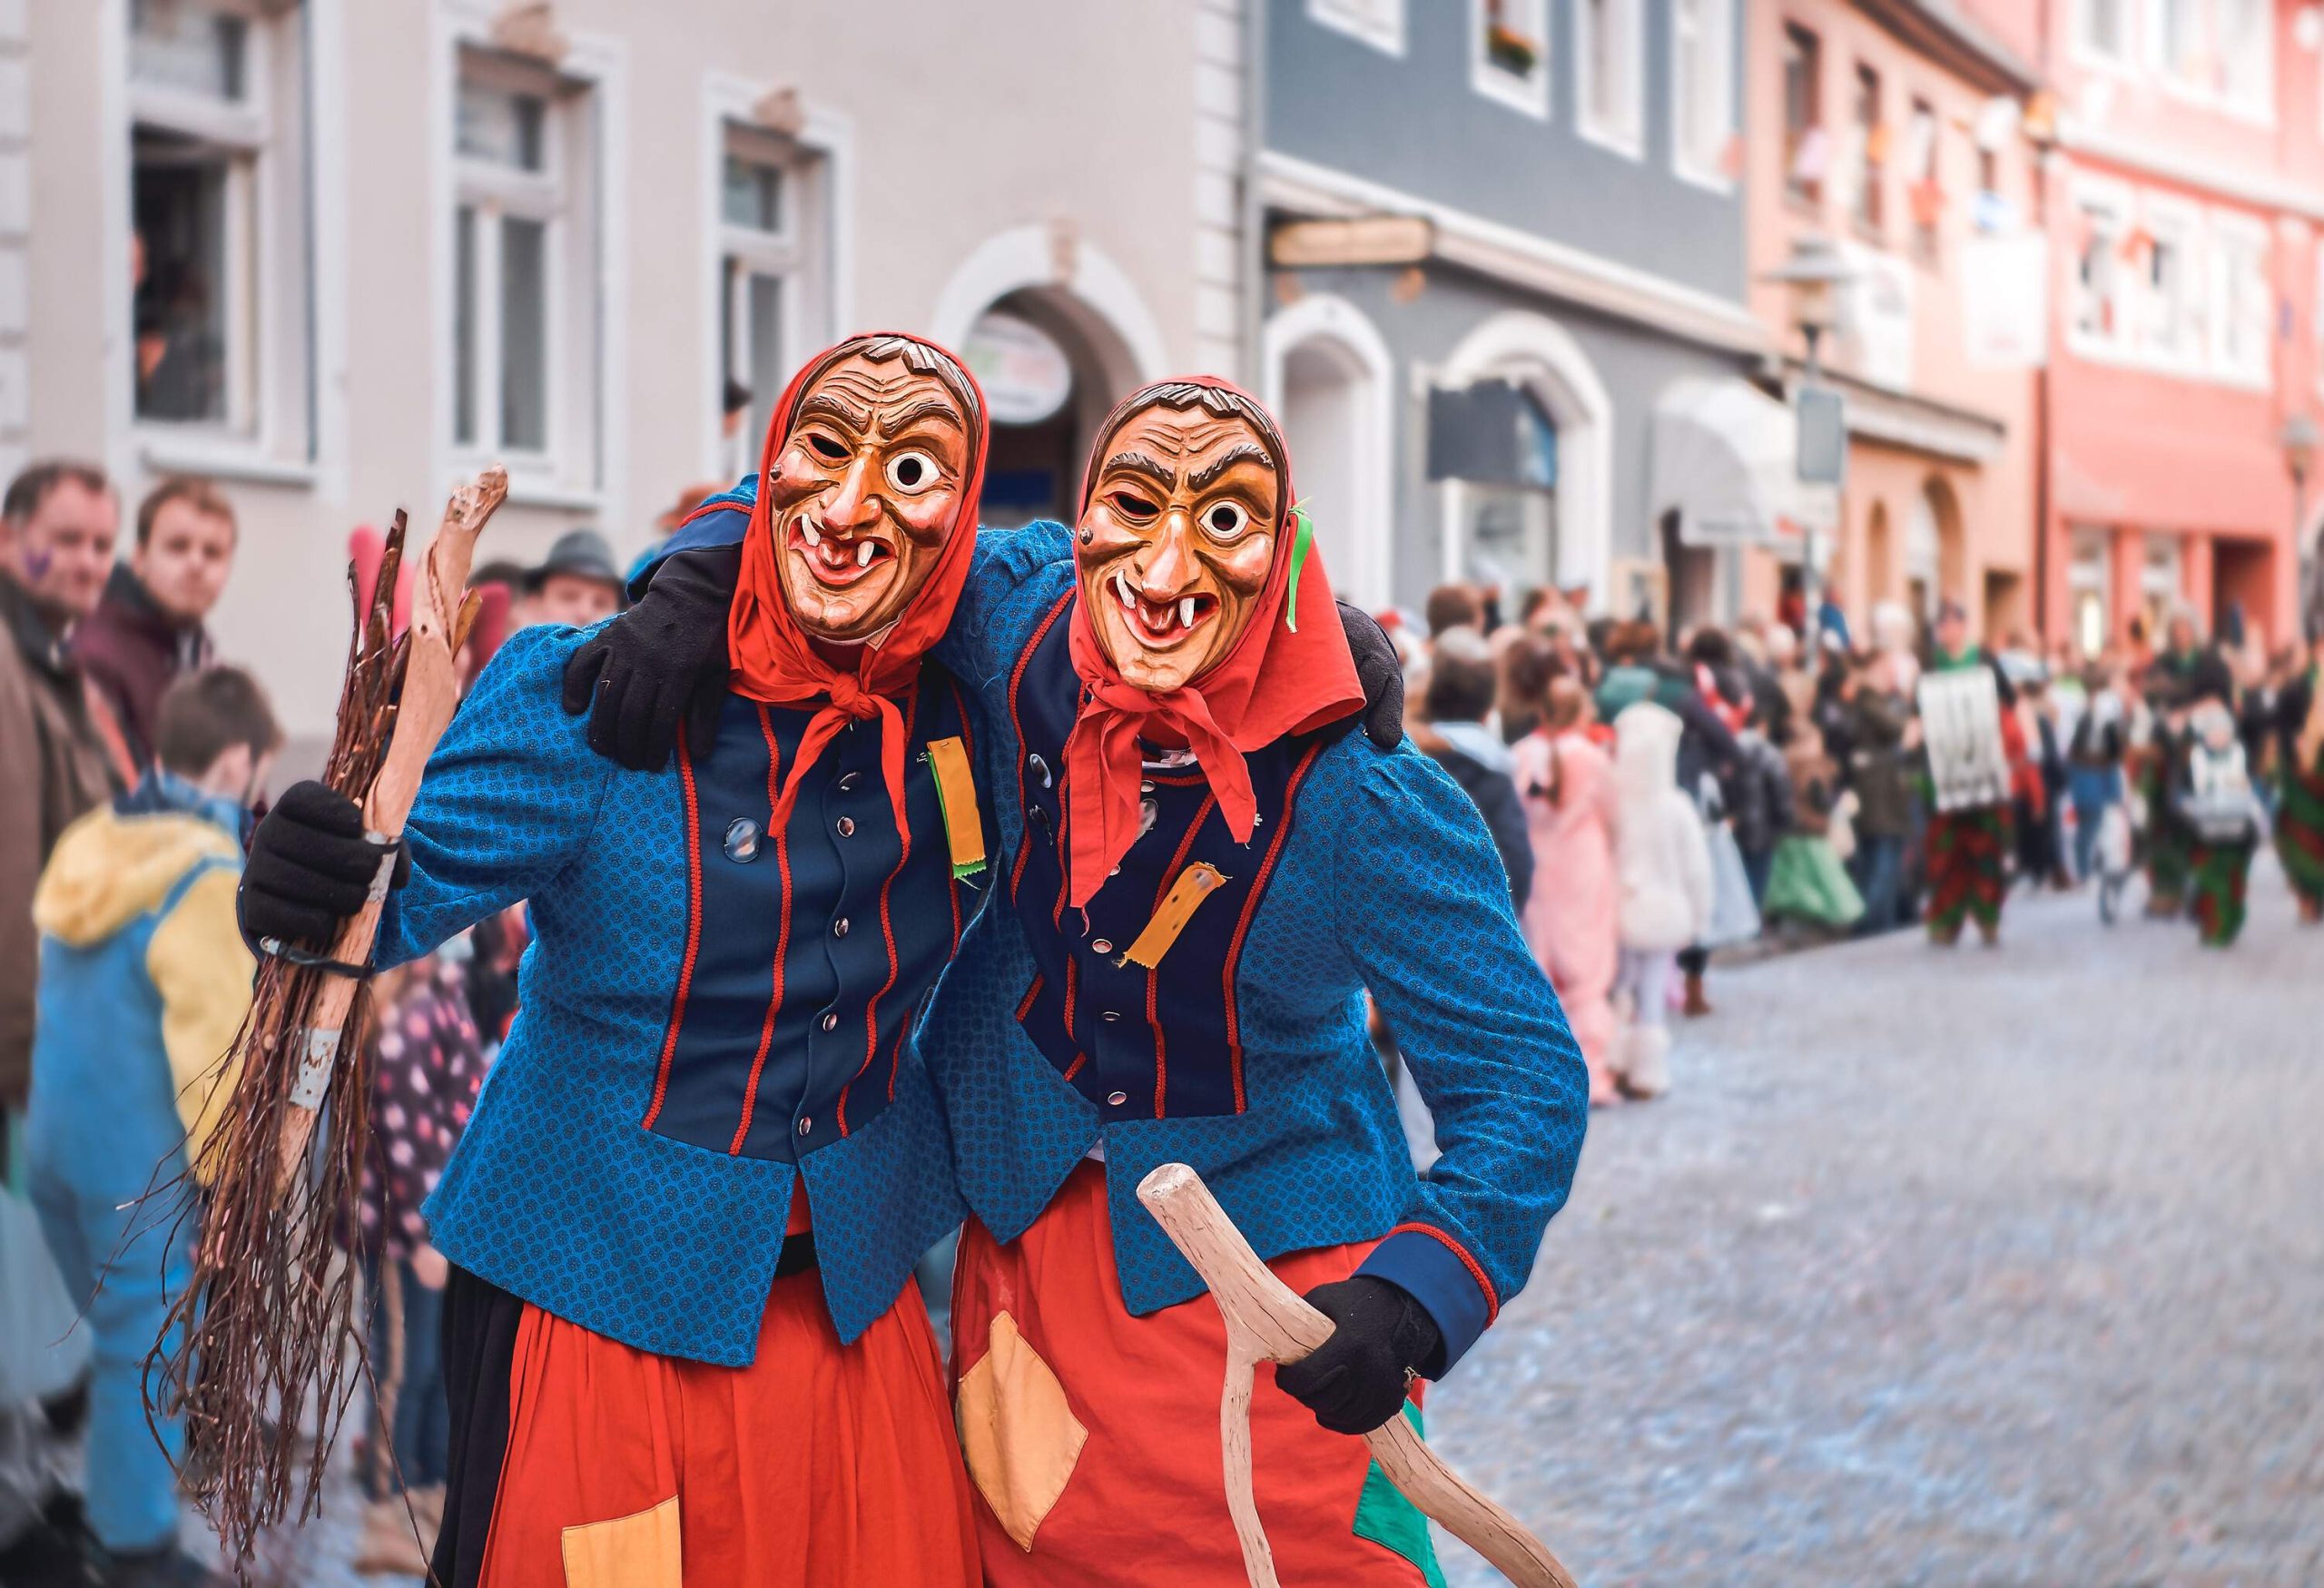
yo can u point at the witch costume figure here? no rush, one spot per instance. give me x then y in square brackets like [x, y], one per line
[2299, 805]
[1203, 869]
[1974, 744]
[680, 1340]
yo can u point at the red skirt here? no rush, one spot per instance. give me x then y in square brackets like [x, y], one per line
[819, 1465]
[1092, 1436]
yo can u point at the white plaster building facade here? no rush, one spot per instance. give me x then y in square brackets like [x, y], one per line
[335, 254]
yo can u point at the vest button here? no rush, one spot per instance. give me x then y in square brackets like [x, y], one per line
[807, 1127]
[1038, 768]
[847, 827]
[1101, 946]
[830, 1022]
[741, 844]
[839, 927]
[1118, 1098]
[1110, 1016]
[848, 780]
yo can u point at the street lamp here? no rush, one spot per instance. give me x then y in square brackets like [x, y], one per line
[2299, 441]
[1813, 276]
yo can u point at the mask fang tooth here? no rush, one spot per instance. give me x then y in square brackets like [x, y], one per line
[863, 554]
[1121, 588]
[1186, 612]
[808, 530]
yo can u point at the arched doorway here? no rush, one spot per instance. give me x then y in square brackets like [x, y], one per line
[1879, 558]
[1951, 542]
[1924, 562]
[1576, 418]
[1057, 334]
[1329, 376]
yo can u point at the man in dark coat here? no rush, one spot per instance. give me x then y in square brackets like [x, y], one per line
[1460, 687]
[149, 628]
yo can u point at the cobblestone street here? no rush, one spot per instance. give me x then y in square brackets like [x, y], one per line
[1953, 1268]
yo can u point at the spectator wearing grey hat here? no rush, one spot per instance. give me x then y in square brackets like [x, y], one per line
[578, 583]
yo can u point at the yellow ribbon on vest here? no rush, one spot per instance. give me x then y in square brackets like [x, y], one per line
[1195, 884]
[956, 797]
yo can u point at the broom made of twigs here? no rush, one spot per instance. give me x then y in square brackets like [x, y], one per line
[267, 1325]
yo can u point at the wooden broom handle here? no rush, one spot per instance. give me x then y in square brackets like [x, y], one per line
[432, 691]
[1267, 1321]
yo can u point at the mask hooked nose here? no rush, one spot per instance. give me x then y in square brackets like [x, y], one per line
[851, 506]
[1174, 566]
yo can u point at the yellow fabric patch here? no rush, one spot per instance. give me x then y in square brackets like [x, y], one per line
[1020, 1438]
[956, 792]
[1195, 884]
[629, 1551]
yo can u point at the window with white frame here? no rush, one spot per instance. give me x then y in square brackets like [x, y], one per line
[2219, 52]
[2245, 33]
[219, 217]
[774, 250]
[524, 254]
[1508, 58]
[1868, 147]
[1923, 177]
[2243, 307]
[1702, 89]
[1378, 23]
[2102, 284]
[2102, 29]
[2174, 307]
[1609, 54]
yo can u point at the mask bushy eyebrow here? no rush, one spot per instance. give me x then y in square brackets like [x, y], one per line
[824, 405]
[1162, 474]
[926, 407]
[1210, 473]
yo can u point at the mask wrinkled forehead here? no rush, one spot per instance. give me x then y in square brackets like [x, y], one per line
[1218, 400]
[920, 358]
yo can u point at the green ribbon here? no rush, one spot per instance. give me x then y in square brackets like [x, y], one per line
[1303, 539]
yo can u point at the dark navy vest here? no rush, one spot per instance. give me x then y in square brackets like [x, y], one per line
[1140, 1043]
[809, 952]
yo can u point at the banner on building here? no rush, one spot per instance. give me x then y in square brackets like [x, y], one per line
[2006, 301]
[1876, 316]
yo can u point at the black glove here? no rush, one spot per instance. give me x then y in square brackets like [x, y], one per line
[1380, 673]
[660, 664]
[1355, 1382]
[310, 868]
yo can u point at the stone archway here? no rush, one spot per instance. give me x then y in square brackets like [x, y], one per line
[1328, 375]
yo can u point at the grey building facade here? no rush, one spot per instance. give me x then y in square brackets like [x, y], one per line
[1569, 266]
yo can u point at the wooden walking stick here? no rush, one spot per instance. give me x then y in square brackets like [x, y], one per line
[1267, 1321]
[265, 1329]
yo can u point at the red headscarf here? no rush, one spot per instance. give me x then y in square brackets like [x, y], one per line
[773, 658]
[1286, 672]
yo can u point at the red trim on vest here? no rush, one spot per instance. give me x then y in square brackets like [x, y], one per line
[1476, 1270]
[1154, 973]
[1032, 993]
[693, 935]
[781, 933]
[1016, 678]
[887, 933]
[1250, 909]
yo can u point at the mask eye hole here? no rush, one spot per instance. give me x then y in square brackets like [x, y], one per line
[1131, 506]
[1225, 520]
[911, 472]
[831, 448]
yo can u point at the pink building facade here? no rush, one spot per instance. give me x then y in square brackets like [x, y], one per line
[2184, 193]
[1894, 130]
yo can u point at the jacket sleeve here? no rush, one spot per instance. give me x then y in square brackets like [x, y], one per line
[507, 799]
[1425, 917]
[976, 647]
[202, 974]
[1512, 837]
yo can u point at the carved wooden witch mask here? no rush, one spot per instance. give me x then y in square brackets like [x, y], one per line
[1183, 513]
[870, 473]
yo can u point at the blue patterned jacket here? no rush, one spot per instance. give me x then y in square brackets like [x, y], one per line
[709, 1011]
[1245, 1053]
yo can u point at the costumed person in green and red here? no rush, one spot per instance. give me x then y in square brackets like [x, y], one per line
[2300, 804]
[2220, 811]
[1975, 746]
[2183, 675]
[680, 1343]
